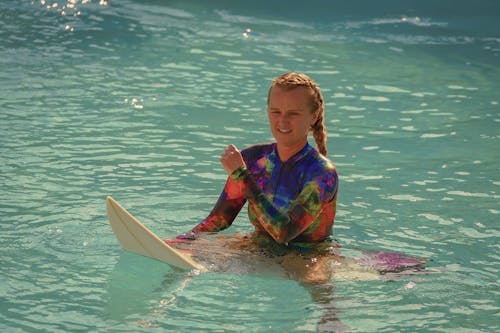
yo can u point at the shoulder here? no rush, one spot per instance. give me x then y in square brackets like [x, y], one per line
[322, 171]
[322, 165]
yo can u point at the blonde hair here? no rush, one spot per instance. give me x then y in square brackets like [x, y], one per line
[293, 80]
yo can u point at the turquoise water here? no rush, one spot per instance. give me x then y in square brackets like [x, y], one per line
[137, 99]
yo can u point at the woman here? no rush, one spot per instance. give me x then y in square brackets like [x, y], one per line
[291, 187]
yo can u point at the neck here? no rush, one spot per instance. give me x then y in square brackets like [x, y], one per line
[285, 152]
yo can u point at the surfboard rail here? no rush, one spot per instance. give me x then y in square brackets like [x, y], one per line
[137, 238]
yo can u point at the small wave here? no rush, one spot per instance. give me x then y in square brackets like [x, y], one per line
[415, 20]
[232, 18]
[405, 197]
[375, 98]
[432, 135]
[386, 89]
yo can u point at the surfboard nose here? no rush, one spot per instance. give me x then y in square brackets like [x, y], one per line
[136, 237]
[109, 202]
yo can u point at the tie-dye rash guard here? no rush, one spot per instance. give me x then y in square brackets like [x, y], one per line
[292, 201]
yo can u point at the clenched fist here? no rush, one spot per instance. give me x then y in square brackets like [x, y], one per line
[231, 159]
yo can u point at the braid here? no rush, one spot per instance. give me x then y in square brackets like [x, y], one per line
[319, 133]
[295, 80]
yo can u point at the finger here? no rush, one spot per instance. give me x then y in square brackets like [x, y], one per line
[232, 148]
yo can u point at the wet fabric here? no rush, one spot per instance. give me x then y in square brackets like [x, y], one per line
[291, 202]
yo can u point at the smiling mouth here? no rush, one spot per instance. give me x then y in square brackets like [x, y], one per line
[284, 131]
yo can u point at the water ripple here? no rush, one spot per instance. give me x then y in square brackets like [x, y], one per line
[137, 101]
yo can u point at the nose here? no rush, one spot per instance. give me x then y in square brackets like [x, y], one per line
[283, 123]
[283, 119]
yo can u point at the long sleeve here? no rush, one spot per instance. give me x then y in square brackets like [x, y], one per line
[316, 198]
[227, 207]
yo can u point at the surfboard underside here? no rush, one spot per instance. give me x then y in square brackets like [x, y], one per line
[136, 237]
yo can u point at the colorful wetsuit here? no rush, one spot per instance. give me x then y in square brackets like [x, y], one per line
[292, 201]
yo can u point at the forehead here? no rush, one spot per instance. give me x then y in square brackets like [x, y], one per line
[294, 96]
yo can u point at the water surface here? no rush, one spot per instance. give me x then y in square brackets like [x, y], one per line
[137, 99]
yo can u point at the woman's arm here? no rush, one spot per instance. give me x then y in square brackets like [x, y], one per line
[230, 201]
[227, 207]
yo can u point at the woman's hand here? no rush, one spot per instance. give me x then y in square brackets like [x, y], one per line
[231, 159]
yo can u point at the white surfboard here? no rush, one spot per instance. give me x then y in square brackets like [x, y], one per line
[135, 237]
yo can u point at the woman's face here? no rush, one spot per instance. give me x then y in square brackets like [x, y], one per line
[290, 116]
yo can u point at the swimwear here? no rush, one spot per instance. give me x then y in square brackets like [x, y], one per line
[292, 201]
